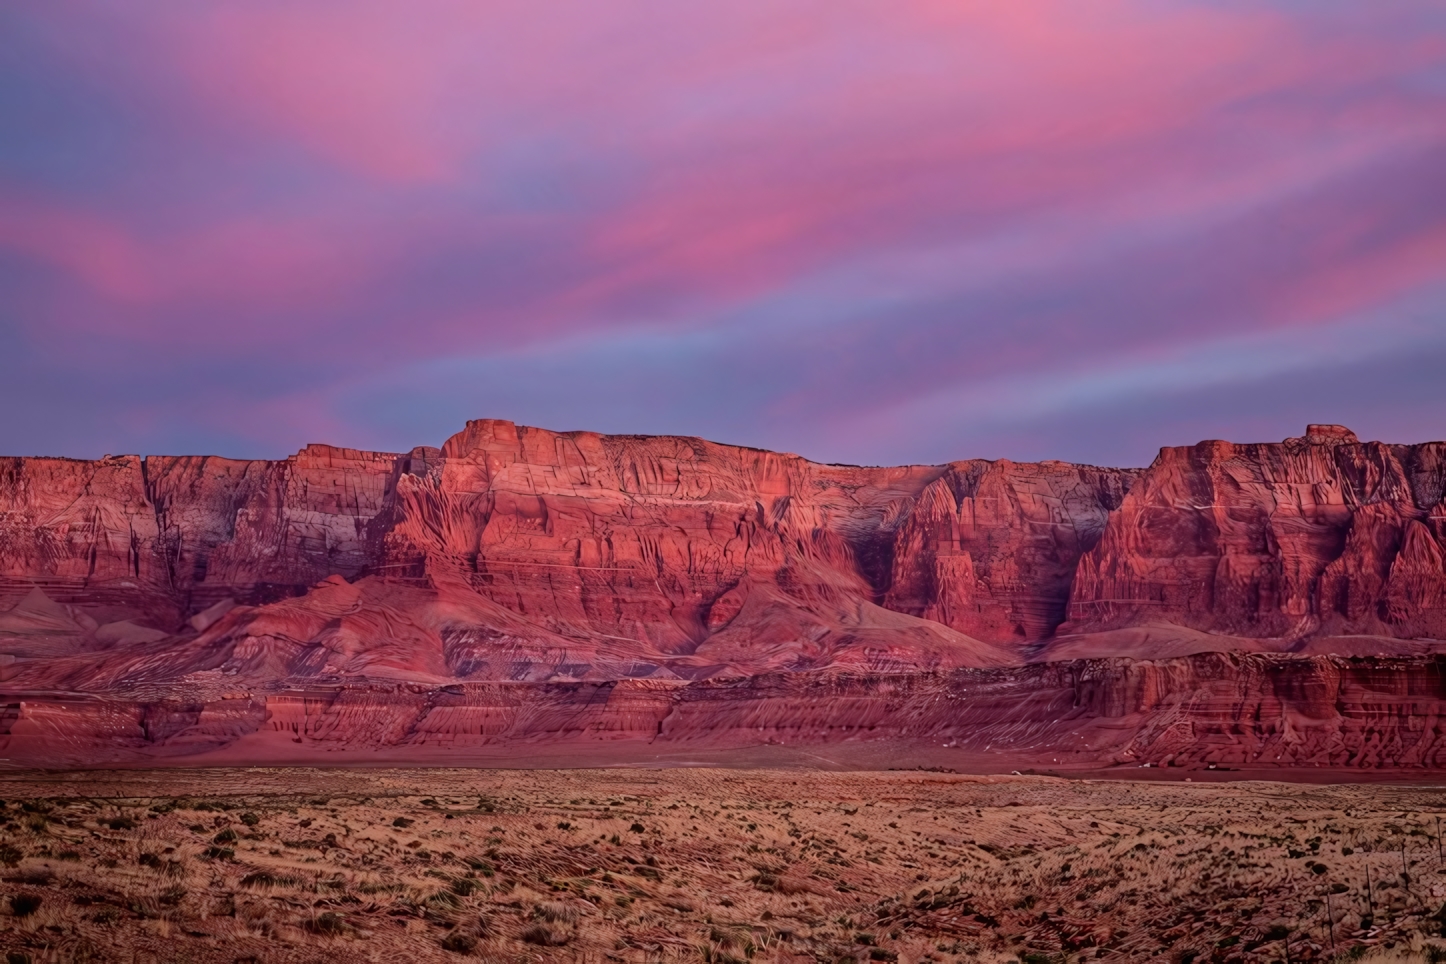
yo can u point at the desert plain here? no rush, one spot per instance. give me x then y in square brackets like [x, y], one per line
[252, 865]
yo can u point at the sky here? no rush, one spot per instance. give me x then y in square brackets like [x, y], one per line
[863, 231]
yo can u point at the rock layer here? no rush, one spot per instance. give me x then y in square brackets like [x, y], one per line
[1319, 535]
[667, 588]
[1205, 711]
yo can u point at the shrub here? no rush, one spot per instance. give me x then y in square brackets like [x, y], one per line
[443, 900]
[546, 935]
[459, 943]
[555, 913]
[329, 923]
[23, 905]
[121, 823]
[403, 822]
[9, 856]
[225, 836]
[250, 819]
[262, 878]
[637, 828]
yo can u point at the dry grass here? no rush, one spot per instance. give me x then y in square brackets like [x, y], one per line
[708, 865]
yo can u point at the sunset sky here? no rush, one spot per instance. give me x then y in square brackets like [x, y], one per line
[869, 232]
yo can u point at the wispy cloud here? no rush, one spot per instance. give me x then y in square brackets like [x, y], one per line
[834, 227]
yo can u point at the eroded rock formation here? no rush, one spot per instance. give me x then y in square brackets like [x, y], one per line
[1319, 535]
[691, 592]
[1213, 710]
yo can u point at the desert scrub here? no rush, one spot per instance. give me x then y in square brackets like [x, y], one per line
[328, 924]
[459, 943]
[24, 905]
[546, 935]
[265, 880]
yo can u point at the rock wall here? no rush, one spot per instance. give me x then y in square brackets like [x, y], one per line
[991, 548]
[164, 537]
[1317, 535]
[520, 586]
[1211, 710]
[726, 557]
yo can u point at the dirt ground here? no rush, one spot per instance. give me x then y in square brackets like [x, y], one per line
[299, 865]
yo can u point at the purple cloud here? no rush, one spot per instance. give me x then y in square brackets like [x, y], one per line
[923, 232]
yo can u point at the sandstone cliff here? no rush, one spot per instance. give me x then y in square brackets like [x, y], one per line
[189, 595]
[1319, 535]
[519, 553]
[1209, 711]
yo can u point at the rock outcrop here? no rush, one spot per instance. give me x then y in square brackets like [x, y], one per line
[680, 590]
[1316, 536]
[165, 537]
[991, 548]
[1209, 711]
[519, 553]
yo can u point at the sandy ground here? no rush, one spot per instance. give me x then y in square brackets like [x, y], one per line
[283, 865]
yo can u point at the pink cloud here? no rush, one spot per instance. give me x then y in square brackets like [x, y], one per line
[84, 246]
[968, 111]
[381, 185]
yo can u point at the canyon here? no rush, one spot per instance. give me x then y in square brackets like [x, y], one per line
[521, 595]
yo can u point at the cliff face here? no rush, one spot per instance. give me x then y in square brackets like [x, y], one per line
[193, 593]
[1207, 711]
[990, 548]
[1314, 536]
[163, 537]
[519, 553]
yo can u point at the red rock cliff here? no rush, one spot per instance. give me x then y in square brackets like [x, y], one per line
[533, 553]
[1313, 536]
[525, 587]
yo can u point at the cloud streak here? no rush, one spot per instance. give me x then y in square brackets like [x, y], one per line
[825, 227]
